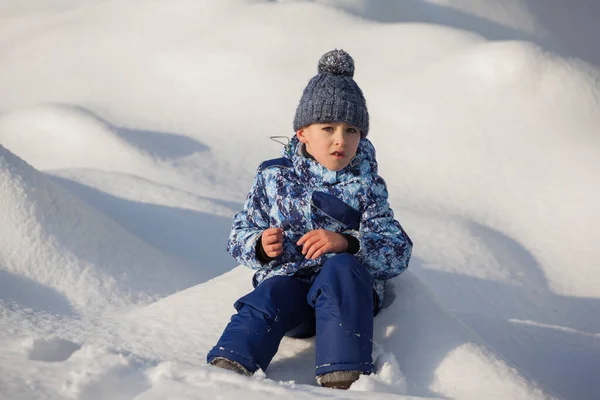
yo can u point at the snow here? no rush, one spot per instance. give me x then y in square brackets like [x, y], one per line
[130, 132]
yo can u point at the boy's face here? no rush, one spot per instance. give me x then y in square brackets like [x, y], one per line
[332, 144]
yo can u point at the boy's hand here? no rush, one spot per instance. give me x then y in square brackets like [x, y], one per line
[272, 241]
[321, 241]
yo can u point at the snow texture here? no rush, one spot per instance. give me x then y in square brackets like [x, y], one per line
[130, 132]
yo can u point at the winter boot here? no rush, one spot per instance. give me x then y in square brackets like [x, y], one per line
[226, 363]
[338, 379]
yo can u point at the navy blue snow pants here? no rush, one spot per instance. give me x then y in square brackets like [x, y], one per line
[337, 305]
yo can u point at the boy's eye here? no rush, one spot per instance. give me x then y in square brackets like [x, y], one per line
[328, 128]
[351, 130]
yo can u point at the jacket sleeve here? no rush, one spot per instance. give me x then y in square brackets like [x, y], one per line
[249, 224]
[385, 248]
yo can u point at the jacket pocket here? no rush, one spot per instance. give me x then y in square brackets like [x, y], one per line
[333, 214]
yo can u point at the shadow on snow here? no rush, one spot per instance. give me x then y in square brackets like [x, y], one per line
[195, 237]
[160, 145]
[574, 43]
[555, 339]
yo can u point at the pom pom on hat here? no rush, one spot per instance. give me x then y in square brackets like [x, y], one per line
[336, 62]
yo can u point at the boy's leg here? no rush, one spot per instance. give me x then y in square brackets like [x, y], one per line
[264, 315]
[342, 295]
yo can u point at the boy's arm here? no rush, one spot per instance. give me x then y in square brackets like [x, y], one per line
[248, 226]
[385, 248]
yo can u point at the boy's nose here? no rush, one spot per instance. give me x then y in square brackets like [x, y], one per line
[339, 137]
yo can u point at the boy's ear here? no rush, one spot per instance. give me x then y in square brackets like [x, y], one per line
[301, 133]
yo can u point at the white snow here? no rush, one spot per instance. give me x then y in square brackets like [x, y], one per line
[130, 132]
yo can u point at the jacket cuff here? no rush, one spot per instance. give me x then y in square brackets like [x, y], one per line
[353, 244]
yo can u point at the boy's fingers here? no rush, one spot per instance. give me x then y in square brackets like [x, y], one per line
[273, 248]
[276, 247]
[270, 240]
[311, 254]
[305, 237]
[273, 231]
[320, 248]
[318, 254]
[308, 252]
[314, 249]
[279, 234]
[309, 243]
[277, 252]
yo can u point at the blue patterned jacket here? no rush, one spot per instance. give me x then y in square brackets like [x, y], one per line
[298, 194]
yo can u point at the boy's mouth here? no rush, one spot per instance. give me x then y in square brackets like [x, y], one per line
[338, 154]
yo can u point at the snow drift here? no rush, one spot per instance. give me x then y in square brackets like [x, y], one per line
[50, 237]
[145, 137]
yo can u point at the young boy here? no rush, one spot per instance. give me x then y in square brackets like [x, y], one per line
[318, 229]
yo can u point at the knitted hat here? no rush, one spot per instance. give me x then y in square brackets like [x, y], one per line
[333, 96]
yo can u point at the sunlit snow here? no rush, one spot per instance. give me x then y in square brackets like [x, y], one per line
[130, 132]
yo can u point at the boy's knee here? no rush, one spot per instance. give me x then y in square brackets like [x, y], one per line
[342, 260]
[346, 264]
[347, 284]
[273, 295]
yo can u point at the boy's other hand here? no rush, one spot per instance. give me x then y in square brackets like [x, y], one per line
[272, 242]
[321, 241]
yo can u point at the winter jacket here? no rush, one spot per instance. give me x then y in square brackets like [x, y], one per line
[298, 194]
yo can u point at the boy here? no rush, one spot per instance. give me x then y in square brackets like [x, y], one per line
[318, 229]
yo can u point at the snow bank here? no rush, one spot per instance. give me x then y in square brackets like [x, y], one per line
[438, 353]
[54, 137]
[51, 238]
[420, 348]
[488, 143]
[554, 24]
[516, 154]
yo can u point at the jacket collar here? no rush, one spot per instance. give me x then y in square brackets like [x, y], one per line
[310, 171]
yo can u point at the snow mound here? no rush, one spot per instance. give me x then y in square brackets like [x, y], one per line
[555, 24]
[479, 15]
[420, 348]
[428, 343]
[530, 119]
[59, 249]
[52, 137]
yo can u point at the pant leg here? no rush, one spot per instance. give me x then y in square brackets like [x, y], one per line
[342, 295]
[264, 315]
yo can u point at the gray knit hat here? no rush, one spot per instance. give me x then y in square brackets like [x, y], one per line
[333, 96]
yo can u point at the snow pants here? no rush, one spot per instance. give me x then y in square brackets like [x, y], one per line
[337, 305]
